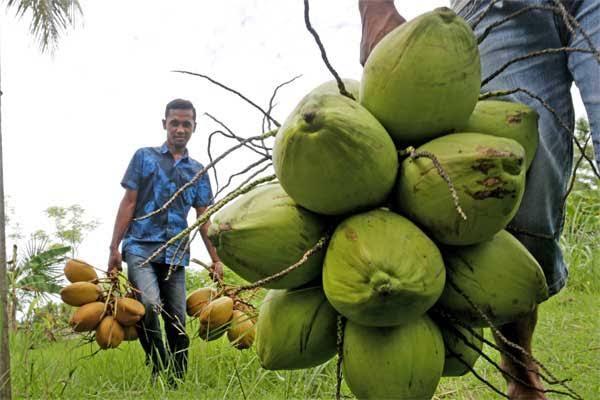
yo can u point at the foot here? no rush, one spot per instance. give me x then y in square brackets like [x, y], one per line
[531, 390]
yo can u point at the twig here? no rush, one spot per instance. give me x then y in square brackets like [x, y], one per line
[466, 341]
[265, 281]
[207, 214]
[504, 20]
[248, 168]
[277, 124]
[413, 154]
[574, 21]
[504, 340]
[531, 55]
[270, 109]
[200, 173]
[484, 13]
[575, 168]
[340, 83]
[232, 135]
[482, 379]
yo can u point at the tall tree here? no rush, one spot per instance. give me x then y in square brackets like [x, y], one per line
[49, 18]
[70, 224]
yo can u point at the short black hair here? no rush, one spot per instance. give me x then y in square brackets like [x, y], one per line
[180, 104]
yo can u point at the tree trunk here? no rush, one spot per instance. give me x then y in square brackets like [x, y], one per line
[12, 299]
[5, 386]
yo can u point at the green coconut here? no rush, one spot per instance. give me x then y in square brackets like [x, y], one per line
[352, 86]
[380, 269]
[500, 277]
[401, 362]
[264, 232]
[460, 348]
[333, 157]
[488, 173]
[295, 329]
[507, 119]
[423, 79]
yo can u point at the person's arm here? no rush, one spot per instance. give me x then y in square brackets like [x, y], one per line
[378, 18]
[124, 218]
[217, 265]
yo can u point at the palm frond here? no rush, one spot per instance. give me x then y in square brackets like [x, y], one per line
[50, 18]
[40, 269]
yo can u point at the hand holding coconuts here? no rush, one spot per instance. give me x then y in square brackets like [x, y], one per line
[105, 305]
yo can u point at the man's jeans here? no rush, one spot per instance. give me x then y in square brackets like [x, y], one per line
[539, 222]
[166, 298]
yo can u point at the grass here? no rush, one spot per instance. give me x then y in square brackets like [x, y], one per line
[567, 341]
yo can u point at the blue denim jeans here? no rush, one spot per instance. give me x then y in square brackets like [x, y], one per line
[166, 298]
[539, 221]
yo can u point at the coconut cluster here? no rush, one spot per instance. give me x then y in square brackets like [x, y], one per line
[414, 182]
[111, 316]
[219, 314]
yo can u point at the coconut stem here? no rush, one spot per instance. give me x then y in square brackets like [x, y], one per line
[507, 342]
[482, 379]
[533, 54]
[265, 281]
[447, 316]
[505, 372]
[202, 172]
[413, 154]
[340, 83]
[208, 213]
[221, 85]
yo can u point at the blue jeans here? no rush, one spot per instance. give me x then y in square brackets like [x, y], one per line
[539, 221]
[166, 298]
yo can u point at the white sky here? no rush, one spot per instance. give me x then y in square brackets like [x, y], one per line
[71, 122]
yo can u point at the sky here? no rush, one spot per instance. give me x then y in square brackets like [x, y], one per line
[72, 120]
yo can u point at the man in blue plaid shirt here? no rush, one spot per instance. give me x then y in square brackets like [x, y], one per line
[154, 175]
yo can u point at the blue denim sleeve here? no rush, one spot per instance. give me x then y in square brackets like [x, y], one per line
[203, 192]
[133, 175]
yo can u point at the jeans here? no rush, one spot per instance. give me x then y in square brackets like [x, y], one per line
[539, 221]
[166, 298]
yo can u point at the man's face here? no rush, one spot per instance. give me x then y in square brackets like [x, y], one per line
[179, 126]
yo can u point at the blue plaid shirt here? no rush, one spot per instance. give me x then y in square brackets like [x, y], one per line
[156, 176]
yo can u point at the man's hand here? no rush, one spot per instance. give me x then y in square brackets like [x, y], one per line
[378, 17]
[114, 262]
[216, 271]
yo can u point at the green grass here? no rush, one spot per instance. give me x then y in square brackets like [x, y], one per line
[567, 341]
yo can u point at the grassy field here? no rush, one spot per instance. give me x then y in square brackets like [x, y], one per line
[567, 342]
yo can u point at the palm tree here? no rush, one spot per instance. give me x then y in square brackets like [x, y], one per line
[49, 18]
[32, 278]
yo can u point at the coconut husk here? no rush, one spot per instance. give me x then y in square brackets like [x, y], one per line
[198, 299]
[217, 313]
[130, 333]
[79, 271]
[109, 334]
[242, 331]
[87, 317]
[80, 293]
[128, 311]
